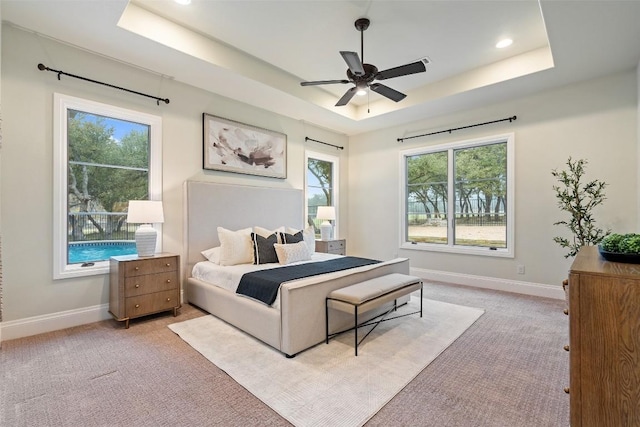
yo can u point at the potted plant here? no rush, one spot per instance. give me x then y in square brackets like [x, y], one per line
[578, 199]
[621, 247]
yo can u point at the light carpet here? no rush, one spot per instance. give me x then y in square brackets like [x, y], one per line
[327, 384]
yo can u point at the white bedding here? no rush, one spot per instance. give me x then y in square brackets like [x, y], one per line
[228, 277]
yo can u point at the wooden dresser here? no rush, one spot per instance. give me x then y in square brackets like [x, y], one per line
[338, 246]
[139, 286]
[604, 341]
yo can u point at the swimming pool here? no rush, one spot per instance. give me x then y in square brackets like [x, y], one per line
[99, 251]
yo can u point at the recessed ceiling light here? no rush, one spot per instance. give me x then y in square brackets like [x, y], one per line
[183, 2]
[504, 43]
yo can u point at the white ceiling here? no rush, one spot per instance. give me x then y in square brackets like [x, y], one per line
[258, 51]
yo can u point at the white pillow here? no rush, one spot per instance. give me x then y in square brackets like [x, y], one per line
[308, 235]
[292, 252]
[212, 254]
[235, 246]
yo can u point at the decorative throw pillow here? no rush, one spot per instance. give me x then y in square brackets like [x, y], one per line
[293, 252]
[263, 250]
[212, 254]
[286, 238]
[235, 246]
[266, 233]
[308, 235]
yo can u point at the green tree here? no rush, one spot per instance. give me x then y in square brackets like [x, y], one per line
[103, 173]
[427, 181]
[323, 172]
[481, 171]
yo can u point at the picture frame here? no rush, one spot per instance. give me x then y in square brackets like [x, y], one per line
[231, 146]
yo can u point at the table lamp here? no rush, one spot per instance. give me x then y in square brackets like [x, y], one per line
[145, 213]
[326, 213]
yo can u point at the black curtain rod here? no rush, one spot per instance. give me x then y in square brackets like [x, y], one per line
[306, 138]
[512, 118]
[42, 67]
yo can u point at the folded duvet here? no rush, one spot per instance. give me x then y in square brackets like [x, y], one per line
[264, 285]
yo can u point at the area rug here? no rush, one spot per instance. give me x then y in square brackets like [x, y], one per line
[327, 385]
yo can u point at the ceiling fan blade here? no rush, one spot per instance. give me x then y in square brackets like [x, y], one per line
[346, 97]
[353, 61]
[323, 82]
[383, 90]
[403, 70]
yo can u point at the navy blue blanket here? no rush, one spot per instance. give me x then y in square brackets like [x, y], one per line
[263, 285]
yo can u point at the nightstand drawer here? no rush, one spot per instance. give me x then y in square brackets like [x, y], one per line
[338, 247]
[143, 285]
[335, 245]
[139, 285]
[149, 266]
[151, 303]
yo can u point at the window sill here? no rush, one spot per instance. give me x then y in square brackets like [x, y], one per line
[463, 250]
[76, 270]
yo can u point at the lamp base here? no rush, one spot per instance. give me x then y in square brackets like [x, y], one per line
[326, 230]
[146, 237]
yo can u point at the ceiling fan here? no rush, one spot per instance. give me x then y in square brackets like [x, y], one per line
[363, 75]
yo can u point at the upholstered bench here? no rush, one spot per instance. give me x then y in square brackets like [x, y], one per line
[364, 296]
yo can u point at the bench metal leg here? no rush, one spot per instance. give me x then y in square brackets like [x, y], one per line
[355, 328]
[326, 319]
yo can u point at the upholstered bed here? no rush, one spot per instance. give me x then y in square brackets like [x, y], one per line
[297, 321]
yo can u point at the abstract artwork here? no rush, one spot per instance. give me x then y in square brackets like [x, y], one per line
[232, 146]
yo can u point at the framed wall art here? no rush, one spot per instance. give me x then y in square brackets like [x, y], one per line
[232, 146]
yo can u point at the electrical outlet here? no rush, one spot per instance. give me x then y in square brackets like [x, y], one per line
[520, 269]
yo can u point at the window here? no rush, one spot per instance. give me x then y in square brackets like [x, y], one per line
[321, 187]
[104, 156]
[459, 197]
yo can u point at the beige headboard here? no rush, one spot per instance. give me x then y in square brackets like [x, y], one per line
[209, 205]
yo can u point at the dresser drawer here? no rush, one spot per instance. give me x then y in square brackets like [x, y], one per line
[139, 285]
[151, 303]
[150, 266]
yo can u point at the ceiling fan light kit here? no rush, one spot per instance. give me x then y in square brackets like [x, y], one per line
[363, 75]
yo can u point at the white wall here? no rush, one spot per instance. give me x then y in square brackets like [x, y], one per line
[595, 120]
[26, 172]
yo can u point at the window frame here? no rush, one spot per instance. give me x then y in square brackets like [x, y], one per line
[335, 160]
[450, 246]
[63, 103]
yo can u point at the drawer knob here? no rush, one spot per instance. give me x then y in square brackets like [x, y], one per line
[137, 268]
[566, 347]
[168, 299]
[137, 305]
[137, 286]
[566, 390]
[168, 264]
[168, 280]
[566, 311]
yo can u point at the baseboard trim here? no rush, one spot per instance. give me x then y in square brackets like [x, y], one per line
[55, 321]
[52, 322]
[515, 286]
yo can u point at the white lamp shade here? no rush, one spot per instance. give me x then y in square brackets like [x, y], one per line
[326, 212]
[145, 212]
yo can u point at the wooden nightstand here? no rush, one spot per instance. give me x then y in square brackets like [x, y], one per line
[139, 286]
[338, 247]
